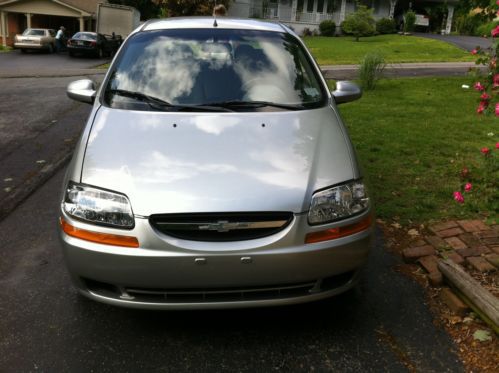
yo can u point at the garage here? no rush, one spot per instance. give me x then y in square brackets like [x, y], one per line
[17, 15]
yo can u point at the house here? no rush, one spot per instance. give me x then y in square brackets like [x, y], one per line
[301, 14]
[17, 15]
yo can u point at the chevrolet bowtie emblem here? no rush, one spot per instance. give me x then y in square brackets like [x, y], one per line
[222, 226]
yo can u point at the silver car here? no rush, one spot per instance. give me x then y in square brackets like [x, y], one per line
[36, 38]
[214, 172]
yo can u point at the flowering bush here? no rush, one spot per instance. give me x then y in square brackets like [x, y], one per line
[484, 191]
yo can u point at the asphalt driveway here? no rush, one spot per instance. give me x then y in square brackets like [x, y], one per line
[17, 64]
[384, 325]
[462, 41]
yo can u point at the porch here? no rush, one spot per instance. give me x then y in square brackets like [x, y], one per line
[17, 15]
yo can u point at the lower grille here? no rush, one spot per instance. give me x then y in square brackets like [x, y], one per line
[173, 296]
[221, 226]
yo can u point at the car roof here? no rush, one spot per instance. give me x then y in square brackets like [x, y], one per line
[208, 22]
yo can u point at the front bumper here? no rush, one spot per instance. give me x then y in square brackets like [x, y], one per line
[169, 273]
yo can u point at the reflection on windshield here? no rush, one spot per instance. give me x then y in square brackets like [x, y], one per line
[196, 67]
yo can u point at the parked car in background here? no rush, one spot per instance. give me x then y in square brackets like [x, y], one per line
[92, 43]
[36, 39]
[214, 172]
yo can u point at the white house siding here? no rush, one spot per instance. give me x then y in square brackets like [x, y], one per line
[309, 17]
[239, 9]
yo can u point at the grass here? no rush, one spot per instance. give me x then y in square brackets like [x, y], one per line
[395, 49]
[413, 137]
[5, 49]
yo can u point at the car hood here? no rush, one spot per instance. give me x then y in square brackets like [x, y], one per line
[217, 162]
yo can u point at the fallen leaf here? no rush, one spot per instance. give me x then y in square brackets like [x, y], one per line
[9, 179]
[396, 225]
[482, 335]
[413, 232]
[41, 161]
[7, 190]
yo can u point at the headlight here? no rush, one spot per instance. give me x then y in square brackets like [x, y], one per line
[338, 203]
[98, 206]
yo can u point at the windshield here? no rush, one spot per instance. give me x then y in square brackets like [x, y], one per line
[211, 66]
[31, 32]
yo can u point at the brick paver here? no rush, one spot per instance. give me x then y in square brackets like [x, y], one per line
[449, 232]
[493, 259]
[412, 254]
[443, 226]
[455, 257]
[465, 242]
[455, 243]
[430, 263]
[480, 264]
[453, 302]
[438, 242]
[469, 239]
[473, 251]
[473, 225]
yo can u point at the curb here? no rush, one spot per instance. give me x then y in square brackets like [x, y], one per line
[33, 184]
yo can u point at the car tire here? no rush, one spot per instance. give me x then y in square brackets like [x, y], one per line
[23, 50]
[51, 49]
[100, 53]
[71, 54]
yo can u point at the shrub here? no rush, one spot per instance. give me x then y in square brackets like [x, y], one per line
[306, 32]
[386, 26]
[327, 28]
[467, 24]
[409, 21]
[360, 23]
[486, 28]
[371, 69]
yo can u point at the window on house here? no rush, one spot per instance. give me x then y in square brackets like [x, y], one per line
[310, 6]
[320, 6]
[330, 6]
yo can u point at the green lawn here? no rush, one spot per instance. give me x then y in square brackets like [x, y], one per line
[413, 136]
[5, 49]
[395, 48]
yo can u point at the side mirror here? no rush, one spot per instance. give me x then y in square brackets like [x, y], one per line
[82, 90]
[346, 91]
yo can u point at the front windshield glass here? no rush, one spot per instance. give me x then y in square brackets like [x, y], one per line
[213, 66]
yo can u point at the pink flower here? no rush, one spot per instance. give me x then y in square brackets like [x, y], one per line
[482, 106]
[465, 173]
[495, 31]
[474, 51]
[458, 197]
[497, 2]
[468, 187]
[497, 109]
[485, 151]
[497, 145]
[485, 96]
[496, 80]
[479, 87]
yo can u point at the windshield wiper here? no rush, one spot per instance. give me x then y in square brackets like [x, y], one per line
[234, 104]
[159, 104]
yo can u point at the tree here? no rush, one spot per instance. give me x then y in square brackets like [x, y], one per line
[360, 23]
[176, 8]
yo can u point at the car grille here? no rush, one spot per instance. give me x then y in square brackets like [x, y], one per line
[221, 226]
[172, 296]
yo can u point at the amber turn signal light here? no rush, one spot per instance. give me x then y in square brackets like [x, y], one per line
[334, 233]
[102, 238]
